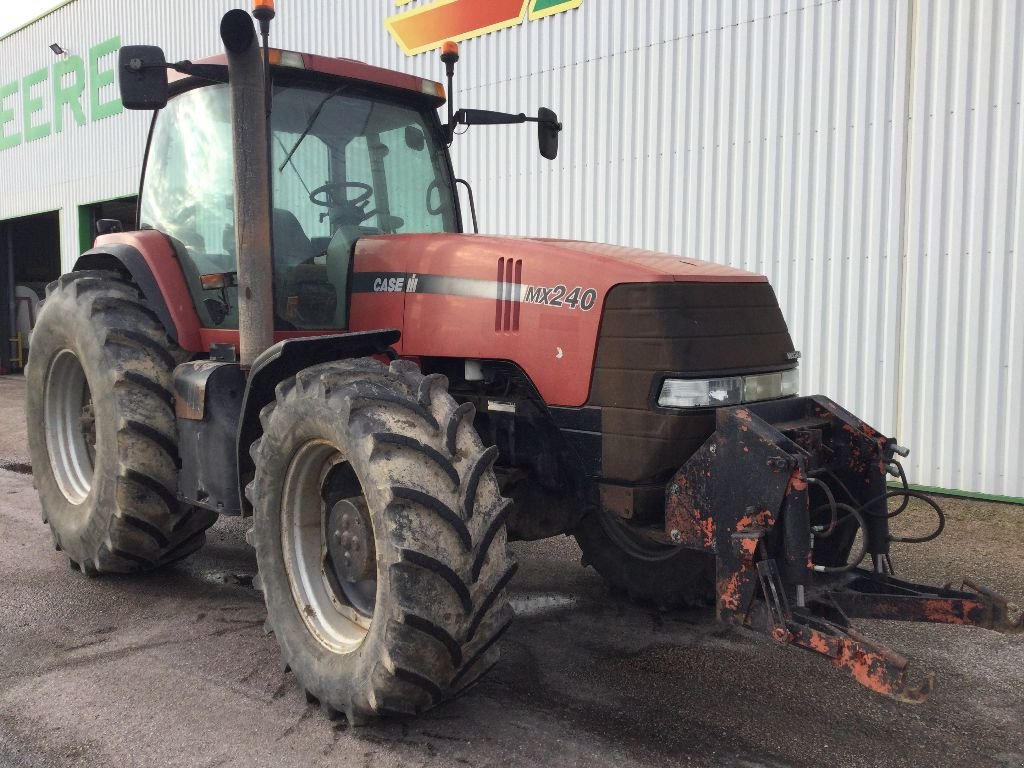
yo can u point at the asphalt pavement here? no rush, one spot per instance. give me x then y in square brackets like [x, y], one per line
[174, 668]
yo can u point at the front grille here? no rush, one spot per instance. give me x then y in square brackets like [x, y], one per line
[650, 330]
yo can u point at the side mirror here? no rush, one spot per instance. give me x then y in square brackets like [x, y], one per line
[548, 129]
[143, 77]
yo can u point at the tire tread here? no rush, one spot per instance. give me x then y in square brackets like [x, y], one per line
[441, 514]
[146, 526]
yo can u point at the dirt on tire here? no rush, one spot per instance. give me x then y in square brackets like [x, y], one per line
[125, 516]
[438, 526]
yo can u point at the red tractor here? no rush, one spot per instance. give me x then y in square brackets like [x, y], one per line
[300, 331]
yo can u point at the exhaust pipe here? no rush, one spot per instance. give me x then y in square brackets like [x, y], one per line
[252, 186]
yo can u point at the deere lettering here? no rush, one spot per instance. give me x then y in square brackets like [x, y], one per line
[50, 95]
[427, 27]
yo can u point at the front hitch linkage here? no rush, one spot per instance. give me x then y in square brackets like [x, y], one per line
[746, 497]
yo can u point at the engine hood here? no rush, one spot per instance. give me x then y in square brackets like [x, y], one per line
[618, 263]
[536, 302]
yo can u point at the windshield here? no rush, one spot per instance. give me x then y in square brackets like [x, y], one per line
[343, 165]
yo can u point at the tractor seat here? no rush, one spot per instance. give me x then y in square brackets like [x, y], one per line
[293, 249]
[291, 244]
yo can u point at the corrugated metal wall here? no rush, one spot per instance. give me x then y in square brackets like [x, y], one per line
[962, 378]
[865, 155]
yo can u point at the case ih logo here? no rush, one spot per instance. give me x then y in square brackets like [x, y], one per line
[425, 28]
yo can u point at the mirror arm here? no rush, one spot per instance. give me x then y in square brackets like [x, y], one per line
[214, 72]
[548, 126]
[552, 123]
[466, 117]
[486, 117]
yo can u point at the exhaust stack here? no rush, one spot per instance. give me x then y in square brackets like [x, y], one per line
[252, 186]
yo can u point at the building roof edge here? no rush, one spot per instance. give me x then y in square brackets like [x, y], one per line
[32, 21]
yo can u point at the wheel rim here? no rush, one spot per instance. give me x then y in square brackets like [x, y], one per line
[70, 427]
[327, 605]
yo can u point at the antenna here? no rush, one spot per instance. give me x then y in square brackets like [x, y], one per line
[450, 55]
[263, 11]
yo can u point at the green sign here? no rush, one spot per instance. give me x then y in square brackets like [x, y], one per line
[53, 97]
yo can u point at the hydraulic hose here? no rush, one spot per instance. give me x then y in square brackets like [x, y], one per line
[824, 534]
[851, 512]
[648, 552]
[909, 494]
[906, 486]
[858, 514]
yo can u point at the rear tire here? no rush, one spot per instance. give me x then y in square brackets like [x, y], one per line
[102, 431]
[647, 572]
[421, 621]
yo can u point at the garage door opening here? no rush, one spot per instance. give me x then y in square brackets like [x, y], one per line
[31, 248]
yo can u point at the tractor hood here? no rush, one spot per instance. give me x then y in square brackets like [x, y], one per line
[545, 261]
[537, 302]
[650, 264]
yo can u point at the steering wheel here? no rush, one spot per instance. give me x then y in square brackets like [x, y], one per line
[340, 209]
[329, 190]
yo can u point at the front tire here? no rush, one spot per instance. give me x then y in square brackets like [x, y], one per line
[648, 572]
[102, 431]
[380, 539]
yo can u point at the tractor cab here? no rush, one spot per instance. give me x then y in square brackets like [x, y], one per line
[348, 158]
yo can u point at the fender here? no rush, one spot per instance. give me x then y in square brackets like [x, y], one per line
[150, 260]
[285, 359]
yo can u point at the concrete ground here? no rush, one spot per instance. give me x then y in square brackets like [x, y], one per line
[173, 668]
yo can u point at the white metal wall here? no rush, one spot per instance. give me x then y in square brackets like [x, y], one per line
[865, 154]
[962, 376]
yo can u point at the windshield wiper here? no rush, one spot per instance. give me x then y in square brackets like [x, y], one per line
[309, 125]
[281, 169]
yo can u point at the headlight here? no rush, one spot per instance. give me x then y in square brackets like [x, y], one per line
[701, 393]
[705, 393]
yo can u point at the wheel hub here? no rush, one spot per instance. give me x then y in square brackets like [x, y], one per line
[350, 543]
